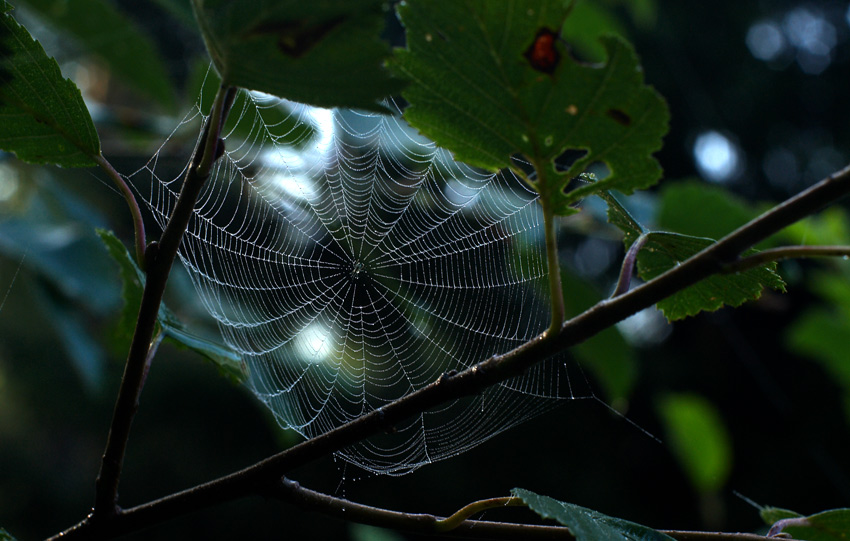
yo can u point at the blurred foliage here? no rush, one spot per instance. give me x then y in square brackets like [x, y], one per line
[698, 438]
[115, 39]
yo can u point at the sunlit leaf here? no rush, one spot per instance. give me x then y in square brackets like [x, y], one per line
[327, 53]
[42, 115]
[698, 438]
[586, 524]
[116, 40]
[491, 80]
[228, 361]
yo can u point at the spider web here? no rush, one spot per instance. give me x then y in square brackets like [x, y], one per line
[357, 267]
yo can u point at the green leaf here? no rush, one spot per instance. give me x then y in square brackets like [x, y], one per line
[821, 335]
[326, 53]
[115, 39]
[586, 524]
[228, 361]
[698, 438]
[588, 21]
[6, 536]
[832, 525]
[774, 514]
[490, 80]
[43, 118]
[662, 251]
[699, 209]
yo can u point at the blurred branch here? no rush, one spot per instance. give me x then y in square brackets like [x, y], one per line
[785, 252]
[264, 476]
[158, 260]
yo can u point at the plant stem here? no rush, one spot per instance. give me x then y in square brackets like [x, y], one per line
[785, 252]
[628, 268]
[158, 262]
[138, 223]
[259, 477]
[556, 292]
[452, 522]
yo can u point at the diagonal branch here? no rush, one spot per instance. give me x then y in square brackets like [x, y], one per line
[262, 476]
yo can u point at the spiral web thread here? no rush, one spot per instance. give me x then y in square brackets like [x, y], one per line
[358, 266]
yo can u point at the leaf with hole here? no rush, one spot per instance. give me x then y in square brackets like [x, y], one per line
[43, 118]
[116, 40]
[328, 54]
[586, 524]
[488, 81]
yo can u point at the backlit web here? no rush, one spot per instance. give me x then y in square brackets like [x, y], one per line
[358, 266]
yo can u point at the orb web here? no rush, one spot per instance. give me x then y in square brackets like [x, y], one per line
[358, 265]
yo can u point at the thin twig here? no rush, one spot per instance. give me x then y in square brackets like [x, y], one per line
[257, 478]
[158, 264]
[292, 492]
[138, 222]
[451, 522]
[628, 268]
[785, 252]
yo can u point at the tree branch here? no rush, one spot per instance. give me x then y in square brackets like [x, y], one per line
[263, 475]
[158, 260]
[785, 252]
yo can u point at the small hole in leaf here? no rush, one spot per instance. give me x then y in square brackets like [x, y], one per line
[567, 158]
[619, 117]
[598, 169]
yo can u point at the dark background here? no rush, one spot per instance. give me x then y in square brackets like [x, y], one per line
[787, 117]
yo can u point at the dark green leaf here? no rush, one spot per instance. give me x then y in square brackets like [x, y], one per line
[180, 10]
[832, 525]
[491, 80]
[84, 350]
[821, 335]
[588, 21]
[115, 39]
[700, 209]
[586, 524]
[326, 53]
[698, 438]
[6, 536]
[42, 115]
[228, 361]
[774, 514]
[663, 251]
